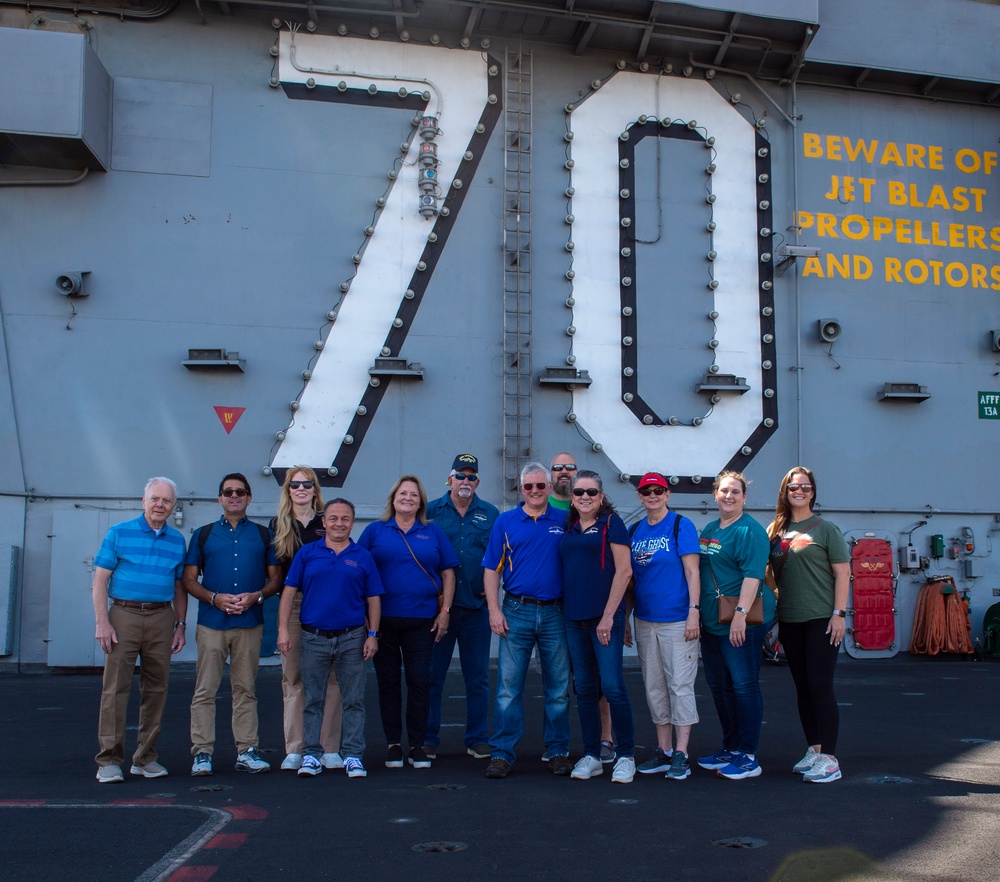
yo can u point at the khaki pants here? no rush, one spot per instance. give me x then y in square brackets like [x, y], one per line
[242, 647]
[146, 634]
[294, 696]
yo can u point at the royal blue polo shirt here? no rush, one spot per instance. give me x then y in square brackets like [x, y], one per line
[588, 566]
[144, 562]
[469, 536]
[334, 586]
[411, 588]
[235, 562]
[525, 551]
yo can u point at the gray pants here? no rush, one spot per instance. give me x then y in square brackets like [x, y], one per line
[344, 653]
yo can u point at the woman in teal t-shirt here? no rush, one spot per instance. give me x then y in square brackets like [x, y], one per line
[733, 560]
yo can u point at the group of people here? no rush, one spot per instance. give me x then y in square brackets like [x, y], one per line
[427, 576]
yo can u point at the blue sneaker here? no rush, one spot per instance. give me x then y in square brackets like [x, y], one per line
[718, 760]
[742, 766]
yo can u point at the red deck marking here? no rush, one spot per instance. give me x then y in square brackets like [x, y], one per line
[247, 812]
[226, 840]
[192, 874]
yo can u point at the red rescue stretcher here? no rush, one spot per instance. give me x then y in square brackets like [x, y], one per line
[871, 610]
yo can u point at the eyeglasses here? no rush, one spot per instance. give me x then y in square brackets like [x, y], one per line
[461, 476]
[538, 485]
[805, 488]
[656, 491]
[568, 466]
[585, 491]
[234, 491]
[294, 485]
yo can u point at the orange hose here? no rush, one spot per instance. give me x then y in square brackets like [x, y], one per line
[941, 622]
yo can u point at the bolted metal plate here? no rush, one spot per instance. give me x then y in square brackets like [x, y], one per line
[208, 788]
[623, 801]
[403, 820]
[740, 842]
[446, 787]
[440, 847]
[889, 779]
[161, 796]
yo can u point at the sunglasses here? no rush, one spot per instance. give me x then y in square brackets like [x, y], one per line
[230, 491]
[586, 491]
[538, 485]
[294, 485]
[461, 476]
[655, 491]
[569, 467]
[805, 488]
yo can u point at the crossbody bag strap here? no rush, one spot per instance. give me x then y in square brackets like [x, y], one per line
[402, 536]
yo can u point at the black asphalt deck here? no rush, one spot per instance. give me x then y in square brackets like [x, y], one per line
[920, 797]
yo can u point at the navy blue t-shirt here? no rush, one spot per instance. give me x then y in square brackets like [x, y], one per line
[588, 566]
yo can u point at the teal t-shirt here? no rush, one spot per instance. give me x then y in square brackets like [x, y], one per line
[736, 553]
[805, 588]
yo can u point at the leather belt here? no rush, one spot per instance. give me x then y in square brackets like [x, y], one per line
[336, 632]
[534, 600]
[141, 604]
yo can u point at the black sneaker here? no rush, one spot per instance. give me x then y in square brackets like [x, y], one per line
[560, 764]
[498, 768]
[418, 759]
[479, 751]
[431, 751]
[680, 766]
[394, 757]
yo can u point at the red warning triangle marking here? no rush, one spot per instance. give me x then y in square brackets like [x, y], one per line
[229, 416]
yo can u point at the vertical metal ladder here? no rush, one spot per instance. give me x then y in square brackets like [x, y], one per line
[517, 374]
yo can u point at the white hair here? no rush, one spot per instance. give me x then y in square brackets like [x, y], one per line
[161, 480]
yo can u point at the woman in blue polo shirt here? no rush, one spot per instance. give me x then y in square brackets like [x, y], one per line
[596, 566]
[417, 564]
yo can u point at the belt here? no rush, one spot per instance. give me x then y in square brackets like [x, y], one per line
[534, 600]
[336, 632]
[141, 604]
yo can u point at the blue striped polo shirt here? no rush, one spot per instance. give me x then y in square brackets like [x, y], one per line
[144, 563]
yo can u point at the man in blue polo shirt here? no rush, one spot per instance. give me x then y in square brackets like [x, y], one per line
[239, 570]
[467, 521]
[138, 569]
[524, 550]
[340, 586]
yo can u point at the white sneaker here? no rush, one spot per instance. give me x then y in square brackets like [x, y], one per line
[624, 770]
[310, 766]
[332, 761]
[150, 770]
[807, 762]
[824, 770]
[252, 762]
[587, 767]
[292, 762]
[110, 775]
[202, 765]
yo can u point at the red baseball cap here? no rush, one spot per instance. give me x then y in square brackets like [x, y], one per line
[653, 479]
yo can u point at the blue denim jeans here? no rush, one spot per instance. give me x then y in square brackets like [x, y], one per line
[316, 657]
[470, 628]
[733, 675]
[597, 670]
[529, 624]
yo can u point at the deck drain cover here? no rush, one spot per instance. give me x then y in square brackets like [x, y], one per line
[440, 846]
[446, 787]
[623, 801]
[740, 842]
[207, 788]
[403, 820]
[889, 779]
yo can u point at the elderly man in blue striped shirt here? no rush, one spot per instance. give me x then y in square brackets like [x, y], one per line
[140, 605]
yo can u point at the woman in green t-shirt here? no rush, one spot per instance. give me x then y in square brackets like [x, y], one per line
[809, 563]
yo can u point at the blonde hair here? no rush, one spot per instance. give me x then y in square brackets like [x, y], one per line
[390, 509]
[286, 536]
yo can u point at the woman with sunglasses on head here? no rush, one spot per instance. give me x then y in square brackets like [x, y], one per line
[300, 521]
[666, 595]
[734, 551]
[596, 570]
[417, 565]
[810, 564]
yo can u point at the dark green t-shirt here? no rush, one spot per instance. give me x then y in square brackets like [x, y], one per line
[805, 590]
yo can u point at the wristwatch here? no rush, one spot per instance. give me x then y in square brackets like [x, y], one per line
[741, 610]
[260, 597]
[840, 612]
[376, 634]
